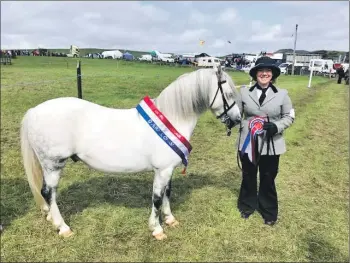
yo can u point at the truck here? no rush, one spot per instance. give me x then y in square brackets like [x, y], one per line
[74, 52]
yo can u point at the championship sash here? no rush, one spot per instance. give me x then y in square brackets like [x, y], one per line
[255, 128]
[164, 129]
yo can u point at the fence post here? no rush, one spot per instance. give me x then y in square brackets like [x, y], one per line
[311, 73]
[250, 82]
[80, 95]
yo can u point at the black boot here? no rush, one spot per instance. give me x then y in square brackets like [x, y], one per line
[269, 223]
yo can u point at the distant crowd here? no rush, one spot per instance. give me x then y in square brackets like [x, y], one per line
[36, 52]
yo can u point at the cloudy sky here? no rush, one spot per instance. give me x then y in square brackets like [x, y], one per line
[176, 26]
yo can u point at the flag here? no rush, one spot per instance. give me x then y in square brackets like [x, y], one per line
[201, 42]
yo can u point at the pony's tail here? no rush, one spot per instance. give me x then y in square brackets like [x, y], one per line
[32, 166]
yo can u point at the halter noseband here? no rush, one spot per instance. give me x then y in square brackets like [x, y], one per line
[226, 107]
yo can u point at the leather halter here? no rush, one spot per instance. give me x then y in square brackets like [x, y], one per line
[226, 106]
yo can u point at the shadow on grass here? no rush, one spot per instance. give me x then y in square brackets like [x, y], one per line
[16, 199]
[134, 191]
[320, 250]
[121, 190]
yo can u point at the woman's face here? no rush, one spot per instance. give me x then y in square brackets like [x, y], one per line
[264, 76]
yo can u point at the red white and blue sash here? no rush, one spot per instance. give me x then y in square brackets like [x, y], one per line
[255, 128]
[164, 129]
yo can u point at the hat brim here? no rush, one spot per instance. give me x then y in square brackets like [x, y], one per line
[276, 71]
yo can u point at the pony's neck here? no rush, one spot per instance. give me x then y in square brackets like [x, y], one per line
[184, 100]
[184, 125]
[187, 127]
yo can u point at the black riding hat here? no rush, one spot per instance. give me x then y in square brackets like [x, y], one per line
[265, 62]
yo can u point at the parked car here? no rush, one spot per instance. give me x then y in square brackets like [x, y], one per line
[299, 69]
[283, 67]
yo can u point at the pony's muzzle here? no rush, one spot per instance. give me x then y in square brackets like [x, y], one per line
[230, 123]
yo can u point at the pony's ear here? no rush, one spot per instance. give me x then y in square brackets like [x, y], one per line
[218, 70]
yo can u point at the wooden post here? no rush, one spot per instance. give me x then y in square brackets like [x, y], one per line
[80, 95]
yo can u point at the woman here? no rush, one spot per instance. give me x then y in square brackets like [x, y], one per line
[341, 74]
[261, 141]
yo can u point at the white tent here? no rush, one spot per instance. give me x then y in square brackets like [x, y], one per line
[112, 53]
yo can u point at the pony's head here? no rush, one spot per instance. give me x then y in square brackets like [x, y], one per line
[223, 98]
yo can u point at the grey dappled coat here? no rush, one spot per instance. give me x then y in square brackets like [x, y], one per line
[277, 105]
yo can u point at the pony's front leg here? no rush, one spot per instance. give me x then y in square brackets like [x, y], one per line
[160, 182]
[169, 218]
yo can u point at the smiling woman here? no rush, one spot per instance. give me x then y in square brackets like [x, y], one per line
[268, 111]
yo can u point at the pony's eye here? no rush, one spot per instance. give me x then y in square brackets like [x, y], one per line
[229, 95]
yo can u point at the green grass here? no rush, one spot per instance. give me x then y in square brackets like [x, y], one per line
[109, 213]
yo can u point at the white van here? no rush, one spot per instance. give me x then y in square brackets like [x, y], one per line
[284, 66]
[163, 57]
[146, 58]
[208, 62]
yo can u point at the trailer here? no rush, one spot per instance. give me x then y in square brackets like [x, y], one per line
[208, 62]
[301, 58]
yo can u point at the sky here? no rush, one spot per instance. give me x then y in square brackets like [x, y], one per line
[176, 27]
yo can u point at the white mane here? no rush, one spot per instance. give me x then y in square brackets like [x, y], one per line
[190, 94]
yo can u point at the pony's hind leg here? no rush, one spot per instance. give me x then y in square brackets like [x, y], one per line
[160, 182]
[52, 172]
[46, 192]
[169, 217]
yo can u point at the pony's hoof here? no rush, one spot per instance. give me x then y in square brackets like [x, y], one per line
[45, 208]
[49, 217]
[66, 233]
[160, 236]
[172, 223]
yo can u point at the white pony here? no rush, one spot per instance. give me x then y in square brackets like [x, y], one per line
[119, 140]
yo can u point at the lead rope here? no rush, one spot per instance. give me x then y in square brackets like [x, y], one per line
[239, 142]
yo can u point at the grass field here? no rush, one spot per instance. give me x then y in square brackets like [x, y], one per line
[109, 214]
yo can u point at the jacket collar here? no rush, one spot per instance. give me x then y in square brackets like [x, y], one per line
[270, 86]
[269, 96]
